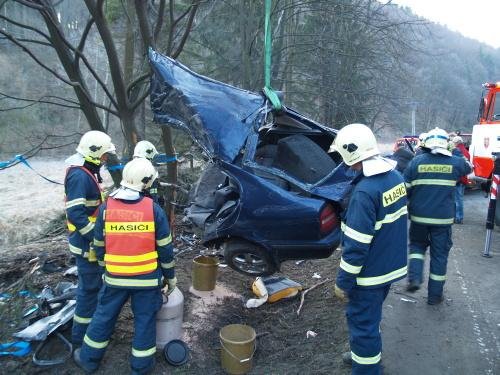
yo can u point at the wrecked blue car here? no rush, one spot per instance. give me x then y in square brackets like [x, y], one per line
[272, 191]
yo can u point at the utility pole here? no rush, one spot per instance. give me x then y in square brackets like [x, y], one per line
[413, 112]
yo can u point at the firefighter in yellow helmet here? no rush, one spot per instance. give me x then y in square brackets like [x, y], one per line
[82, 198]
[430, 179]
[373, 243]
[134, 242]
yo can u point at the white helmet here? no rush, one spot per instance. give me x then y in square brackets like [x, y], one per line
[457, 140]
[355, 143]
[93, 145]
[138, 174]
[437, 140]
[145, 149]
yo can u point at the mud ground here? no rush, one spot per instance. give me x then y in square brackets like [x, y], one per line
[282, 345]
[460, 336]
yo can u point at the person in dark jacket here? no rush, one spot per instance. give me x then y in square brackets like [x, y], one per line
[82, 198]
[133, 240]
[460, 151]
[373, 244]
[430, 180]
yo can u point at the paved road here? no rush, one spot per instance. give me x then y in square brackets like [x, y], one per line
[462, 335]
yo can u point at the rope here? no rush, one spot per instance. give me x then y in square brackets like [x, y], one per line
[268, 91]
[21, 159]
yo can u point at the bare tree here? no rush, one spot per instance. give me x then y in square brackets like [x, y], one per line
[158, 25]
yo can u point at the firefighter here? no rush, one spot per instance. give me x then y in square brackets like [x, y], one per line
[147, 150]
[134, 241]
[82, 198]
[430, 180]
[374, 244]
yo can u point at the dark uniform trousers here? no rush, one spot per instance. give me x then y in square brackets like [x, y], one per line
[438, 237]
[89, 284]
[145, 303]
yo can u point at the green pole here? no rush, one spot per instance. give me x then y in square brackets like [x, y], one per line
[268, 91]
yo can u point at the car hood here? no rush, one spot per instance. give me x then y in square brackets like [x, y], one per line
[218, 116]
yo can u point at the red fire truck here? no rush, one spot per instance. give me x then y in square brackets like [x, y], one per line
[486, 134]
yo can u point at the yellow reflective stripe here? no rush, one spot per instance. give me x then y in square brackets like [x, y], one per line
[130, 282]
[168, 265]
[416, 256]
[143, 353]
[349, 267]
[390, 218]
[75, 250]
[369, 281]
[130, 258]
[93, 203]
[407, 185]
[430, 220]
[81, 320]
[130, 227]
[87, 228]
[153, 191]
[164, 241]
[131, 269]
[75, 202]
[433, 181]
[435, 277]
[366, 360]
[355, 235]
[72, 228]
[98, 243]
[95, 344]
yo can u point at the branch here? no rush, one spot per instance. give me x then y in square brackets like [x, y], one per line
[304, 292]
[35, 58]
[83, 39]
[187, 30]
[34, 41]
[159, 20]
[22, 25]
[139, 100]
[30, 4]
[137, 80]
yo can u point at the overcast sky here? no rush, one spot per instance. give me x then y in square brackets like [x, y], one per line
[477, 19]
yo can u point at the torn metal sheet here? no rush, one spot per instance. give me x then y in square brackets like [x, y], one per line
[39, 330]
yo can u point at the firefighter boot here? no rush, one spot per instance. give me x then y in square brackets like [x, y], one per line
[79, 363]
[413, 286]
[347, 358]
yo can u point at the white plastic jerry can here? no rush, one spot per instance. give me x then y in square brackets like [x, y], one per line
[169, 319]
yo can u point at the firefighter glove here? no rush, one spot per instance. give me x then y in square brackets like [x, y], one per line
[341, 294]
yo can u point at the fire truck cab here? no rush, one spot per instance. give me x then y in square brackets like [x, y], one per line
[486, 134]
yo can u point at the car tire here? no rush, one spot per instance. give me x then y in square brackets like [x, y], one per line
[248, 258]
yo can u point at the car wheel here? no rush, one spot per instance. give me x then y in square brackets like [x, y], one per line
[248, 258]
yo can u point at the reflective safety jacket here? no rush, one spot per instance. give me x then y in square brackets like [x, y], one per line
[430, 181]
[129, 233]
[132, 240]
[82, 198]
[374, 233]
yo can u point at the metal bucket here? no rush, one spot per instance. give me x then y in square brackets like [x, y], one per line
[204, 272]
[238, 347]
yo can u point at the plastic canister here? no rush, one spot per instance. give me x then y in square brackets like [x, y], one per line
[169, 319]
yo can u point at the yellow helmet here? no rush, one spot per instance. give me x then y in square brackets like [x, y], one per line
[93, 145]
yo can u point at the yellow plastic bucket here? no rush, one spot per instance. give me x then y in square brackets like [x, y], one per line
[238, 347]
[204, 273]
